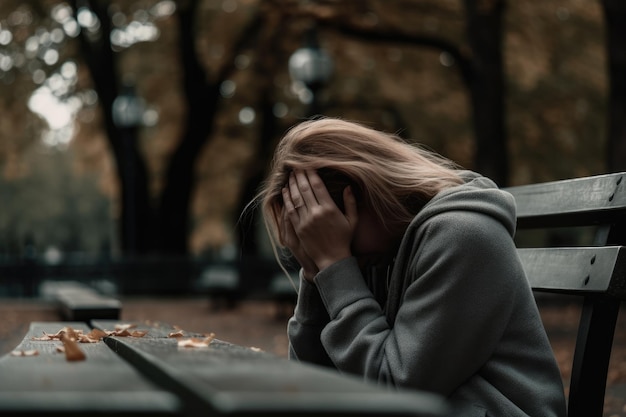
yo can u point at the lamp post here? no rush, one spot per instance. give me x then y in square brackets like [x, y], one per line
[128, 110]
[311, 66]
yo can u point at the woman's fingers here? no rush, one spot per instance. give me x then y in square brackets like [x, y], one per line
[287, 201]
[295, 194]
[320, 233]
[318, 189]
[308, 190]
[289, 238]
[287, 232]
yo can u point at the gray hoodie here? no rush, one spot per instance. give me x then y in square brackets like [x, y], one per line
[455, 316]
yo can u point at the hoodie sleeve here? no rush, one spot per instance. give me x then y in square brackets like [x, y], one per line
[305, 327]
[463, 274]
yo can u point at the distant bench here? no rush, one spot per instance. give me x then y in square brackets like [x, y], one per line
[595, 272]
[80, 302]
[225, 285]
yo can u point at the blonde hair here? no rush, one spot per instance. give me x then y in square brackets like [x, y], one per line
[388, 175]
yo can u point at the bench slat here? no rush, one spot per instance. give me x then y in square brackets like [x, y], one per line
[590, 200]
[576, 270]
[103, 383]
[232, 380]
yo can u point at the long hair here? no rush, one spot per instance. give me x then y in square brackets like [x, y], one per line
[391, 177]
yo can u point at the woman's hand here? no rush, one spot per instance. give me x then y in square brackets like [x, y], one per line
[324, 233]
[289, 239]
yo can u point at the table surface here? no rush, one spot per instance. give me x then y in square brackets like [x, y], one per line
[154, 374]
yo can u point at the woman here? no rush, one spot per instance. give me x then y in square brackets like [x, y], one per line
[409, 274]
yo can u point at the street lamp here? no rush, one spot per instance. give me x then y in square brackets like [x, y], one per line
[128, 110]
[311, 66]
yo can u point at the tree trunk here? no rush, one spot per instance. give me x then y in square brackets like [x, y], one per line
[486, 85]
[173, 214]
[136, 217]
[615, 17]
[481, 71]
[270, 58]
[202, 97]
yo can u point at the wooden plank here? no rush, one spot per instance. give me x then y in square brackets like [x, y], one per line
[232, 380]
[80, 302]
[589, 200]
[103, 383]
[586, 270]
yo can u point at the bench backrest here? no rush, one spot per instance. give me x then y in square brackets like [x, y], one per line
[595, 271]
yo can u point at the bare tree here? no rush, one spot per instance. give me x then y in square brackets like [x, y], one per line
[615, 17]
[481, 69]
[165, 228]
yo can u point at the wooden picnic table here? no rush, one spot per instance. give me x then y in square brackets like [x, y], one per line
[152, 374]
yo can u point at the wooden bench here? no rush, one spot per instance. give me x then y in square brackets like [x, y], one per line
[284, 293]
[594, 270]
[154, 375]
[80, 302]
[222, 283]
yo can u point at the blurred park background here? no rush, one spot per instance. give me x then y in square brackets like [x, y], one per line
[134, 133]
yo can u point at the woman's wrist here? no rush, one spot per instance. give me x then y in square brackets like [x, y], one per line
[323, 264]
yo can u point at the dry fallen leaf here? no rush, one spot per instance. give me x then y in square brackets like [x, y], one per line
[176, 334]
[122, 330]
[71, 337]
[195, 342]
[55, 336]
[73, 352]
[70, 333]
[126, 333]
[30, 352]
[93, 336]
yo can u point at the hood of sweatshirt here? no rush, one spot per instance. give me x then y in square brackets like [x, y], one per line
[478, 194]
